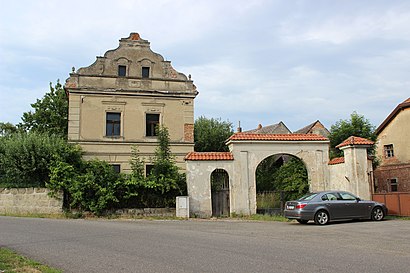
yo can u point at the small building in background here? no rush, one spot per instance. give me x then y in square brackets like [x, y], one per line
[316, 128]
[393, 151]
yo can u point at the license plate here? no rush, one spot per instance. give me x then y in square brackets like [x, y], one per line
[290, 207]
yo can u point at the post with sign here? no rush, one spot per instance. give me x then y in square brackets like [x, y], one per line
[182, 206]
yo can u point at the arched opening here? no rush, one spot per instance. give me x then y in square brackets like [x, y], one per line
[220, 193]
[279, 178]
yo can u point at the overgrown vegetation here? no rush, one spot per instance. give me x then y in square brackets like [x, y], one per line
[277, 175]
[95, 186]
[12, 262]
[210, 134]
[35, 153]
[25, 158]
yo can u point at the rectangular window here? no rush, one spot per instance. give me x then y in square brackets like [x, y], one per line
[388, 151]
[148, 169]
[122, 70]
[116, 167]
[393, 184]
[152, 122]
[145, 72]
[113, 124]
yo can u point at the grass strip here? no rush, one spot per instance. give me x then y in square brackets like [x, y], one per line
[10, 261]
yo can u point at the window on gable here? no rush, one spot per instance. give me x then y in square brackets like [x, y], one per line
[152, 122]
[388, 150]
[145, 72]
[122, 70]
[393, 184]
[113, 124]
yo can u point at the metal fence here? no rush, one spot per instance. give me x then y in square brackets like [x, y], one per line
[272, 202]
[398, 203]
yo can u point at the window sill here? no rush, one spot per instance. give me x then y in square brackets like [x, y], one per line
[114, 137]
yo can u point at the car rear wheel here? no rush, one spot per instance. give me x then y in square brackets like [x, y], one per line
[377, 214]
[321, 217]
[302, 221]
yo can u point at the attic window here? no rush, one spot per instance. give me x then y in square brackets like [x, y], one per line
[145, 72]
[388, 151]
[122, 70]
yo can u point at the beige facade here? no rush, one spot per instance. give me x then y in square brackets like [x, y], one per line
[118, 101]
[393, 151]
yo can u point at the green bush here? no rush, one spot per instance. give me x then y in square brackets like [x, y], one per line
[95, 186]
[165, 182]
[25, 158]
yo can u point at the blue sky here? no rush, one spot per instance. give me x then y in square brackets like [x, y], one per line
[259, 61]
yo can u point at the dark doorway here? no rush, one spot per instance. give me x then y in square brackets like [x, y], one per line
[220, 193]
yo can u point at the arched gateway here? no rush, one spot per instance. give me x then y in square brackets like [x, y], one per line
[353, 172]
[246, 152]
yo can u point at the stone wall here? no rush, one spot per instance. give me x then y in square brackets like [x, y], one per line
[28, 200]
[147, 212]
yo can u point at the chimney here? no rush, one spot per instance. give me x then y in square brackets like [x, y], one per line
[239, 129]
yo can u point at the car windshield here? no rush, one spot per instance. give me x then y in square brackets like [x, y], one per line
[308, 196]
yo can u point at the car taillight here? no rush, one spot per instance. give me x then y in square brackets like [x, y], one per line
[301, 206]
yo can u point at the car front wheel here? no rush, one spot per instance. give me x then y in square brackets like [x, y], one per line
[377, 214]
[321, 217]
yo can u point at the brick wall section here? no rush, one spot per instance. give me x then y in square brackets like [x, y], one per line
[28, 200]
[383, 173]
[188, 132]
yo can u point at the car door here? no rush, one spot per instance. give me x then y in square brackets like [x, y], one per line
[334, 204]
[353, 207]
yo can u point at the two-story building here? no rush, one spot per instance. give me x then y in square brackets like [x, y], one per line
[393, 151]
[119, 100]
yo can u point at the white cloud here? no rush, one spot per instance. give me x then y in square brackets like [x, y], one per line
[342, 29]
[255, 61]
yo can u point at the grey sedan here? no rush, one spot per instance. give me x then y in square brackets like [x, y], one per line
[326, 206]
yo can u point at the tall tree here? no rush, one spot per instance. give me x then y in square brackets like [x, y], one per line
[50, 114]
[357, 125]
[210, 134]
[7, 129]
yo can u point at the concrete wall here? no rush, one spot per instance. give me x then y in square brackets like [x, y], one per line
[28, 200]
[249, 155]
[353, 175]
[199, 185]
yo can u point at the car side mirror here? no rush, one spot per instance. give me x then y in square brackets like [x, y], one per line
[358, 199]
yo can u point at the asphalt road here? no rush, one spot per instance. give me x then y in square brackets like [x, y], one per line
[210, 246]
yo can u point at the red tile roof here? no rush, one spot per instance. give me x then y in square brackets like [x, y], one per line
[277, 137]
[405, 104]
[354, 140]
[204, 156]
[337, 160]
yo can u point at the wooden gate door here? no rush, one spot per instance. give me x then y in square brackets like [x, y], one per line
[220, 193]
